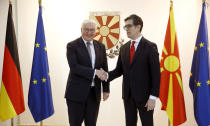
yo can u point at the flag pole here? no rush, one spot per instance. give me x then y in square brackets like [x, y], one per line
[41, 123]
[169, 124]
[12, 120]
[171, 2]
[40, 2]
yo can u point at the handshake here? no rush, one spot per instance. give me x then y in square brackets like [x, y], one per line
[101, 74]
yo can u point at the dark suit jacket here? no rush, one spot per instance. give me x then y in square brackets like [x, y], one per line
[142, 77]
[81, 71]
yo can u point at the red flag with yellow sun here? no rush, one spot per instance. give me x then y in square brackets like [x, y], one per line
[171, 87]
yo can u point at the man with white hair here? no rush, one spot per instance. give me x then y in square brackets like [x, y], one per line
[83, 91]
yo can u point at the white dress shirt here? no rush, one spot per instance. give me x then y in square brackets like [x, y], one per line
[93, 57]
[137, 41]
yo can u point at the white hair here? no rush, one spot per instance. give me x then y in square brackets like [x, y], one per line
[88, 22]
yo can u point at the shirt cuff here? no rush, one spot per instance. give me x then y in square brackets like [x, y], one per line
[107, 77]
[153, 97]
[94, 74]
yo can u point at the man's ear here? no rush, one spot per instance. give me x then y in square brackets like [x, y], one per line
[139, 27]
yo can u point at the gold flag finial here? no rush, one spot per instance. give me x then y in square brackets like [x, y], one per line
[171, 3]
[40, 2]
[10, 2]
[204, 1]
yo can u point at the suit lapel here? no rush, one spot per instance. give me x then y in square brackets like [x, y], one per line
[138, 50]
[126, 54]
[97, 52]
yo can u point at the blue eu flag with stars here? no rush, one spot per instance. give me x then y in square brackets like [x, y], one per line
[40, 96]
[199, 77]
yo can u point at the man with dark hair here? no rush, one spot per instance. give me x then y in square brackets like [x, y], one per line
[138, 62]
[136, 20]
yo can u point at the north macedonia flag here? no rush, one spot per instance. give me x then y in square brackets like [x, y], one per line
[171, 88]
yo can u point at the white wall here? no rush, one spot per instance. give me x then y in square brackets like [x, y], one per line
[62, 20]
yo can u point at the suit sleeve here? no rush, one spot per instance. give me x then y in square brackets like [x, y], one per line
[154, 70]
[75, 67]
[117, 72]
[105, 68]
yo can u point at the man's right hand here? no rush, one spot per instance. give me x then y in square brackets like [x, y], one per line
[101, 74]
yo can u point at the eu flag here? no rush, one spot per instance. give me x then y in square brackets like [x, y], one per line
[40, 96]
[199, 77]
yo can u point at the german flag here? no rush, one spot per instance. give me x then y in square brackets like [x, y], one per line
[11, 95]
[171, 87]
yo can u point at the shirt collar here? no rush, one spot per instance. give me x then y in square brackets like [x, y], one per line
[86, 41]
[138, 39]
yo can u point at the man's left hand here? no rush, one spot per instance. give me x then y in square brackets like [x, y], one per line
[150, 105]
[105, 96]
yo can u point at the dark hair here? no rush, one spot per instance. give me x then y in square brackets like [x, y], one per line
[136, 20]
